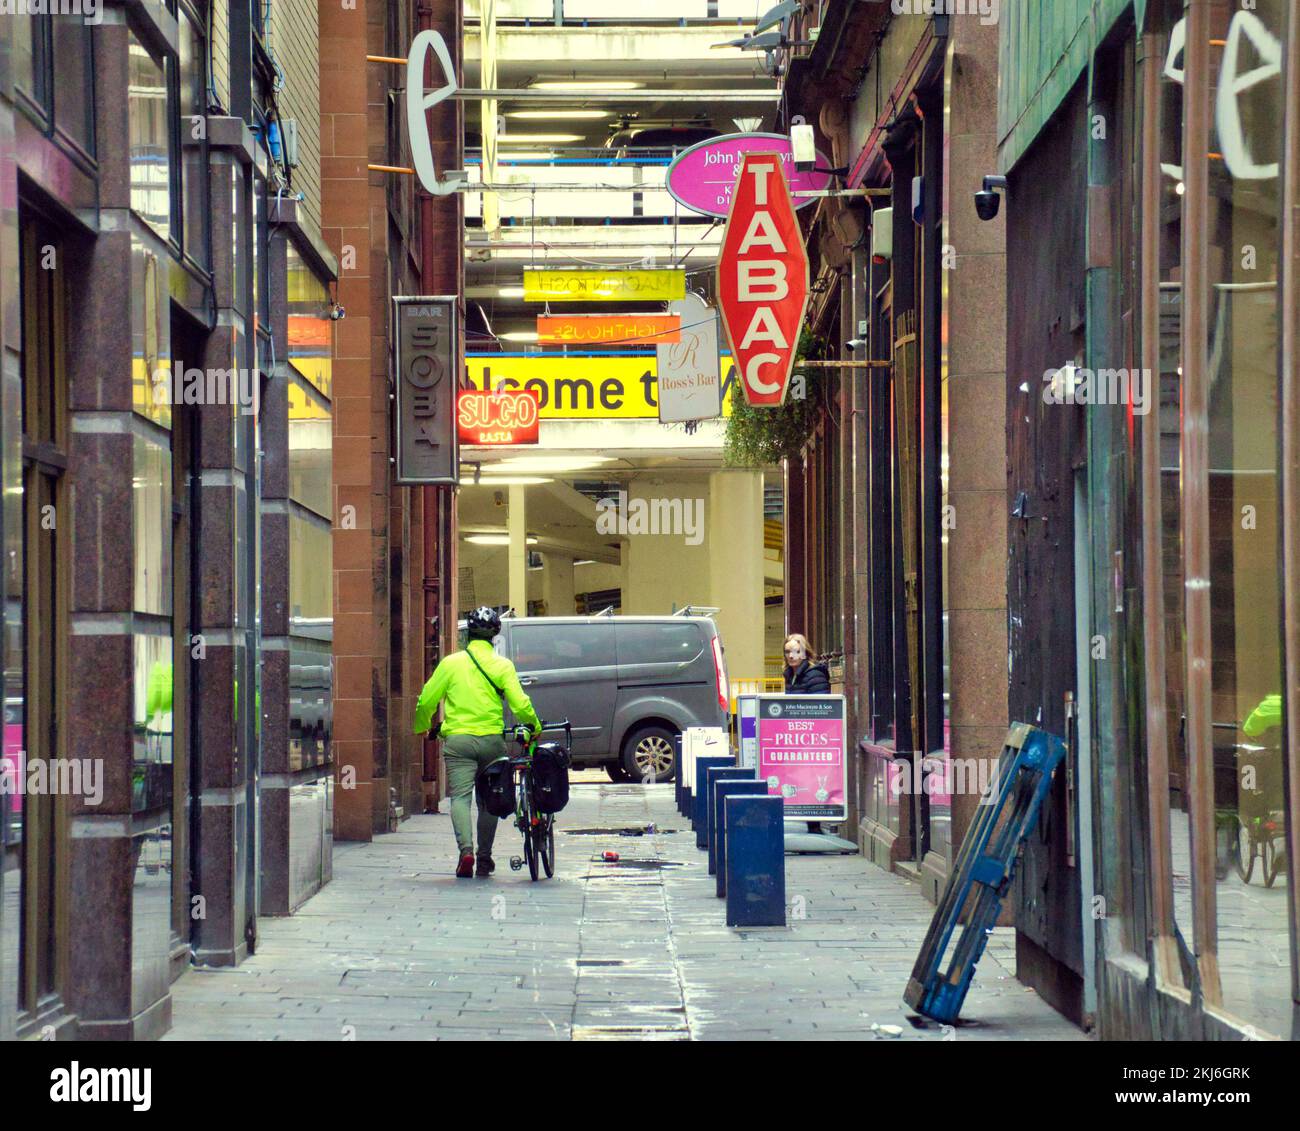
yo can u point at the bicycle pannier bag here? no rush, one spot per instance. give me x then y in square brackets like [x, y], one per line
[550, 778]
[495, 786]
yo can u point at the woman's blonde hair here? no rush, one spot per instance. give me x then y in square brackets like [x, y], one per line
[802, 641]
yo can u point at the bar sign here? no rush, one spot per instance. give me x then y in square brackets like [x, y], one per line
[427, 362]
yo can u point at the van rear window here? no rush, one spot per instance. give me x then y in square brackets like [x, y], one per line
[658, 643]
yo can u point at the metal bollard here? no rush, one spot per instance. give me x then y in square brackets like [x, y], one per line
[732, 787]
[711, 779]
[700, 795]
[755, 861]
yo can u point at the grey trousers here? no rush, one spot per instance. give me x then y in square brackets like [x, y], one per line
[466, 754]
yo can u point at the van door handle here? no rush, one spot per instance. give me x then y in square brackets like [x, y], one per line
[526, 681]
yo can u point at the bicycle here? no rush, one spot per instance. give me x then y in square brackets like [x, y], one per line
[538, 829]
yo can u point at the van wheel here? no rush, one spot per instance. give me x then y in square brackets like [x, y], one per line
[650, 749]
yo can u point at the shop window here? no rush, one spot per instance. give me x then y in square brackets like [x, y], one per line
[54, 72]
[193, 130]
[35, 531]
[149, 139]
[1245, 898]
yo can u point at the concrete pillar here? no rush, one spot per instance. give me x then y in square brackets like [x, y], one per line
[557, 585]
[517, 553]
[735, 539]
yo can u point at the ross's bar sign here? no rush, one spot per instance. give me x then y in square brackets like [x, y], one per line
[427, 363]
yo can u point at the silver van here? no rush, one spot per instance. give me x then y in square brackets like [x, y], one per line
[628, 684]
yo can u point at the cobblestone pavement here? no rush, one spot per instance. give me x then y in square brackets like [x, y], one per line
[396, 948]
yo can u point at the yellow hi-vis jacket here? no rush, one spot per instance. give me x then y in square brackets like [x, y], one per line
[472, 705]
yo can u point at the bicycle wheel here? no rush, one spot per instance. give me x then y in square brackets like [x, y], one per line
[546, 834]
[1243, 856]
[1270, 861]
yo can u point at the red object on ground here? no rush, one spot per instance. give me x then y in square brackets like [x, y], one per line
[611, 856]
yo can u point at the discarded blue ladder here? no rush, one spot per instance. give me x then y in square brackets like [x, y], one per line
[983, 871]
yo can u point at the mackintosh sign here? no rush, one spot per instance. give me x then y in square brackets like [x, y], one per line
[763, 279]
[662, 284]
[427, 362]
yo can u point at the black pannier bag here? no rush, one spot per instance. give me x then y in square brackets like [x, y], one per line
[550, 778]
[495, 786]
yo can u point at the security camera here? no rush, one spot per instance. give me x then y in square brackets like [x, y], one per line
[987, 201]
[854, 344]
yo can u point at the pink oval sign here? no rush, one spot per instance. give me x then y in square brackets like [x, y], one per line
[701, 178]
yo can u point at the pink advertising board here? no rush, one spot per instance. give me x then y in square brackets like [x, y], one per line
[801, 754]
[701, 178]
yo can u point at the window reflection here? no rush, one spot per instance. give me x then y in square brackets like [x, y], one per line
[310, 450]
[310, 328]
[148, 138]
[73, 85]
[1246, 665]
[310, 578]
[152, 731]
[152, 498]
[194, 173]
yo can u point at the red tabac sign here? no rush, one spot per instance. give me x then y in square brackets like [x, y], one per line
[497, 416]
[763, 279]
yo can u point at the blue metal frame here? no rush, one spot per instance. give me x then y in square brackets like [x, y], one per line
[983, 871]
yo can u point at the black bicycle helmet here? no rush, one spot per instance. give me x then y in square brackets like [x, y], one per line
[483, 623]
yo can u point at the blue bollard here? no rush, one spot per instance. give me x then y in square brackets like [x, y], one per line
[713, 776]
[755, 861]
[700, 796]
[677, 773]
[735, 787]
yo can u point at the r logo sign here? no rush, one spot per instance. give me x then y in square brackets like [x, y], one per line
[763, 279]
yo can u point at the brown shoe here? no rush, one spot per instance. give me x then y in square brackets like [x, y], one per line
[486, 866]
[465, 870]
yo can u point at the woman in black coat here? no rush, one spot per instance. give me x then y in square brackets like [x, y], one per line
[802, 676]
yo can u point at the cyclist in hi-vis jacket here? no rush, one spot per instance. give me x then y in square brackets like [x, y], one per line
[474, 686]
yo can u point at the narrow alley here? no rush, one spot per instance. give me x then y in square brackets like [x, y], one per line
[396, 948]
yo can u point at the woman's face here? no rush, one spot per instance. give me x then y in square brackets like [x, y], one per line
[794, 653]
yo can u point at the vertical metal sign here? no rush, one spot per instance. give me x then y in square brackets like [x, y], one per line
[428, 364]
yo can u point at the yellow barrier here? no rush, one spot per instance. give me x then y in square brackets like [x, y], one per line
[753, 685]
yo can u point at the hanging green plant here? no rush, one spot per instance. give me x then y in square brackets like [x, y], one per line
[761, 437]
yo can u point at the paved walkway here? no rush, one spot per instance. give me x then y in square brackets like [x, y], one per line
[397, 949]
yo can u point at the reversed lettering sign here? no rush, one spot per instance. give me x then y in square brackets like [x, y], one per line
[488, 417]
[427, 361]
[689, 384]
[582, 388]
[607, 329]
[763, 279]
[651, 285]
